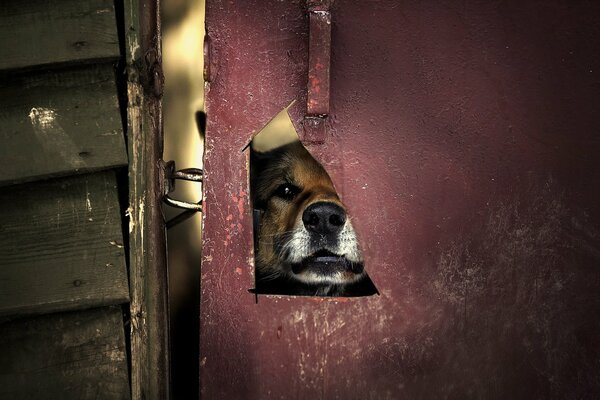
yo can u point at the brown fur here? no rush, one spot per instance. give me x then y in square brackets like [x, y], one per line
[290, 164]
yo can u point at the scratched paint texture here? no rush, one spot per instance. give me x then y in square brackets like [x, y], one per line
[464, 139]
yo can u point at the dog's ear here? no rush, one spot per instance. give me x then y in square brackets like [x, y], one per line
[257, 160]
[258, 163]
[260, 159]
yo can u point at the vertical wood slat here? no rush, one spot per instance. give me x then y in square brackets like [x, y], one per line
[148, 274]
[61, 245]
[42, 32]
[75, 355]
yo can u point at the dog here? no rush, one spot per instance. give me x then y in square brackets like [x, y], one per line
[304, 240]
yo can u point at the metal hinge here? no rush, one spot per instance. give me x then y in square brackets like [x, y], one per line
[168, 176]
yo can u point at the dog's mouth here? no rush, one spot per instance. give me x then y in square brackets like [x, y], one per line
[324, 262]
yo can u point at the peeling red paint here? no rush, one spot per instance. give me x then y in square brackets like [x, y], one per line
[240, 206]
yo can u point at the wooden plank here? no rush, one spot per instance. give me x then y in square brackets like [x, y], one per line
[61, 245]
[59, 122]
[150, 363]
[78, 355]
[39, 32]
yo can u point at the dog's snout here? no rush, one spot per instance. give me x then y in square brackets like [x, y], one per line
[324, 218]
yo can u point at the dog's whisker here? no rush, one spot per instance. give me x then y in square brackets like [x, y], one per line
[285, 232]
[270, 276]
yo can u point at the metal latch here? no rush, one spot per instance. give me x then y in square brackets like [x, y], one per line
[319, 63]
[168, 175]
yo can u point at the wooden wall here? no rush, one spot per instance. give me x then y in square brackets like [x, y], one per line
[63, 274]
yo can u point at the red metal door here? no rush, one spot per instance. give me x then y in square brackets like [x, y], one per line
[464, 138]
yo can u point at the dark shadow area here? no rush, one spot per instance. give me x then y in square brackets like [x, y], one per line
[185, 122]
[185, 311]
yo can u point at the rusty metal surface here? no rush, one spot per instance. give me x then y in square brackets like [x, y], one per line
[463, 138]
[319, 53]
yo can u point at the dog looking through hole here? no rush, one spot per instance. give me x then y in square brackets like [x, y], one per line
[305, 243]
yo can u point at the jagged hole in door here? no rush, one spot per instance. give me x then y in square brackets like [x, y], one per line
[304, 240]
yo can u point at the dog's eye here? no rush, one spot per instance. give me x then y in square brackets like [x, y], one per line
[287, 191]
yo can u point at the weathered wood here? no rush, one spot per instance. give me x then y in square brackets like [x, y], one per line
[54, 123]
[150, 363]
[61, 245]
[78, 355]
[39, 32]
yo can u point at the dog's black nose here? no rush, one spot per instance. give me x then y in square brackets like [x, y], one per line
[324, 218]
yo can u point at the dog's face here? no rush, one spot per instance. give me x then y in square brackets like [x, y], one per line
[305, 242]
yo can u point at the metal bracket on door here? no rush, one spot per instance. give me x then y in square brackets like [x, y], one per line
[319, 62]
[168, 175]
